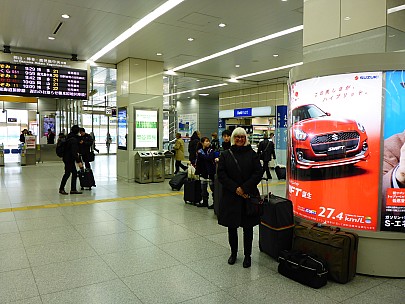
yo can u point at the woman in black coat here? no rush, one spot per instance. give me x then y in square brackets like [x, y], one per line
[237, 183]
[192, 147]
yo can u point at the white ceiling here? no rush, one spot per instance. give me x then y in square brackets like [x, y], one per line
[26, 24]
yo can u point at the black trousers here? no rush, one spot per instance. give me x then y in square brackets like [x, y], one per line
[70, 168]
[247, 240]
[266, 169]
[177, 165]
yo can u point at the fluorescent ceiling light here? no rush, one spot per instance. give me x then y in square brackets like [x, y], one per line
[266, 71]
[396, 9]
[241, 46]
[203, 94]
[51, 38]
[194, 90]
[222, 25]
[164, 8]
[159, 54]
[237, 66]
[190, 39]
[275, 55]
[65, 16]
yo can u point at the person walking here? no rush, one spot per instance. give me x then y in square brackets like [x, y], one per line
[215, 142]
[70, 157]
[85, 147]
[266, 152]
[239, 172]
[179, 153]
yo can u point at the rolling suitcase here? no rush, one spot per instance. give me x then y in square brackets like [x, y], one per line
[177, 181]
[192, 191]
[276, 226]
[280, 172]
[86, 178]
[336, 247]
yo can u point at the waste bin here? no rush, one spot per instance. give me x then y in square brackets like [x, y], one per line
[143, 167]
[1, 155]
[158, 171]
[169, 164]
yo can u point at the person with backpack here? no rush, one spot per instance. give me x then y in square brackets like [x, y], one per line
[266, 152]
[69, 149]
[85, 148]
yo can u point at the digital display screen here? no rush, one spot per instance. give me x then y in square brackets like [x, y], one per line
[42, 81]
[122, 128]
[146, 132]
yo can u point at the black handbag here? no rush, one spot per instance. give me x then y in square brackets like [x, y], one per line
[254, 205]
[91, 156]
[303, 268]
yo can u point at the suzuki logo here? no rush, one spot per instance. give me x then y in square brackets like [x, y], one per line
[335, 137]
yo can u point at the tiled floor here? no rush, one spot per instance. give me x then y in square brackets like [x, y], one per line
[148, 249]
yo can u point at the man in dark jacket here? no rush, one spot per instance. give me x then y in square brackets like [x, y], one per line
[85, 146]
[239, 179]
[70, 157]
[50, 137]
[266, 152]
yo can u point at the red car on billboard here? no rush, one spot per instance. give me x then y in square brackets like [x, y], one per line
[320, 141]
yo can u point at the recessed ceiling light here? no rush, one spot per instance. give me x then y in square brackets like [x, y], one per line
[275, 55]
[51, 38]
[190, 39]
[65, 16]
[159, 54]
[197, 80]
[203, 94]
[283, 0]
[237, 66]
[347, 18]
[222, 25]
[175, 85]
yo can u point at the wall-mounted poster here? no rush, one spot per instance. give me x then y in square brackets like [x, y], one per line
[334, 149]
[122, 124]
[393, 179]
[188, 123]
[146, 129]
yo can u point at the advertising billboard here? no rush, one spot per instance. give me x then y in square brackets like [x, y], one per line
[146, 129]
[334, 149]
[122, 123]
[393, 179]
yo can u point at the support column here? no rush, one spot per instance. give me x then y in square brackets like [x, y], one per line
[139, 85]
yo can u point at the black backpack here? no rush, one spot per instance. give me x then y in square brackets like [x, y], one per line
[60, 147]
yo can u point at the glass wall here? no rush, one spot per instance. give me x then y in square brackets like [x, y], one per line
[12, 122]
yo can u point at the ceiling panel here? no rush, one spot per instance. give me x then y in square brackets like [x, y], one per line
[94, 23]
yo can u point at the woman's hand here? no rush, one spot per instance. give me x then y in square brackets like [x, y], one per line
[240, 192]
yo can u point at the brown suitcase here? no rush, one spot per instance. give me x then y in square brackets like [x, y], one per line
[338, 248]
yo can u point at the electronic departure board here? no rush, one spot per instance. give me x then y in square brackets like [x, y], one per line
[42, 81]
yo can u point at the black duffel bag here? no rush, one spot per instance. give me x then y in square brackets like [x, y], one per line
[303, 268]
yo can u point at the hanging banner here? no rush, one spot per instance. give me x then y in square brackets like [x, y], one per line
[334, 149]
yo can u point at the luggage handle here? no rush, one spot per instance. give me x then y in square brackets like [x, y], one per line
[267, 188]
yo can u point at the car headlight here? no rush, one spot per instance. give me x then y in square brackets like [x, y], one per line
[300, 135]
[361, 127]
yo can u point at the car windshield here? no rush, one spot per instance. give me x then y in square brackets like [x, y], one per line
[306, 112]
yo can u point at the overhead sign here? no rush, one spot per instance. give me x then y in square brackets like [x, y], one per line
[242, 112]
[42, 81]
[12, 119]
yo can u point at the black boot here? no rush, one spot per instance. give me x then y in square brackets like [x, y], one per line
[232, 259]
[203, 204]
[247, 262]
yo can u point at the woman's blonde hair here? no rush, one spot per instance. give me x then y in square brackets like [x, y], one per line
[239, 132]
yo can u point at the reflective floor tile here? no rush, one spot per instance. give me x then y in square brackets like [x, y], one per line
[167, 234]
[17, 285]
[59, 252]
[169, 285]
[67, 275]
[117, 242]
[47, 236]
[110, 292]
[126, 263]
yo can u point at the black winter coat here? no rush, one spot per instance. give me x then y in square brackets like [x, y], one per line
[232, 211]
[266, 154]
[71, 151]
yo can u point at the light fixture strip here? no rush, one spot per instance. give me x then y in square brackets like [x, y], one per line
[194, 90]
[164, 8]
[396, 9]
[241, 46]
[269, 71]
